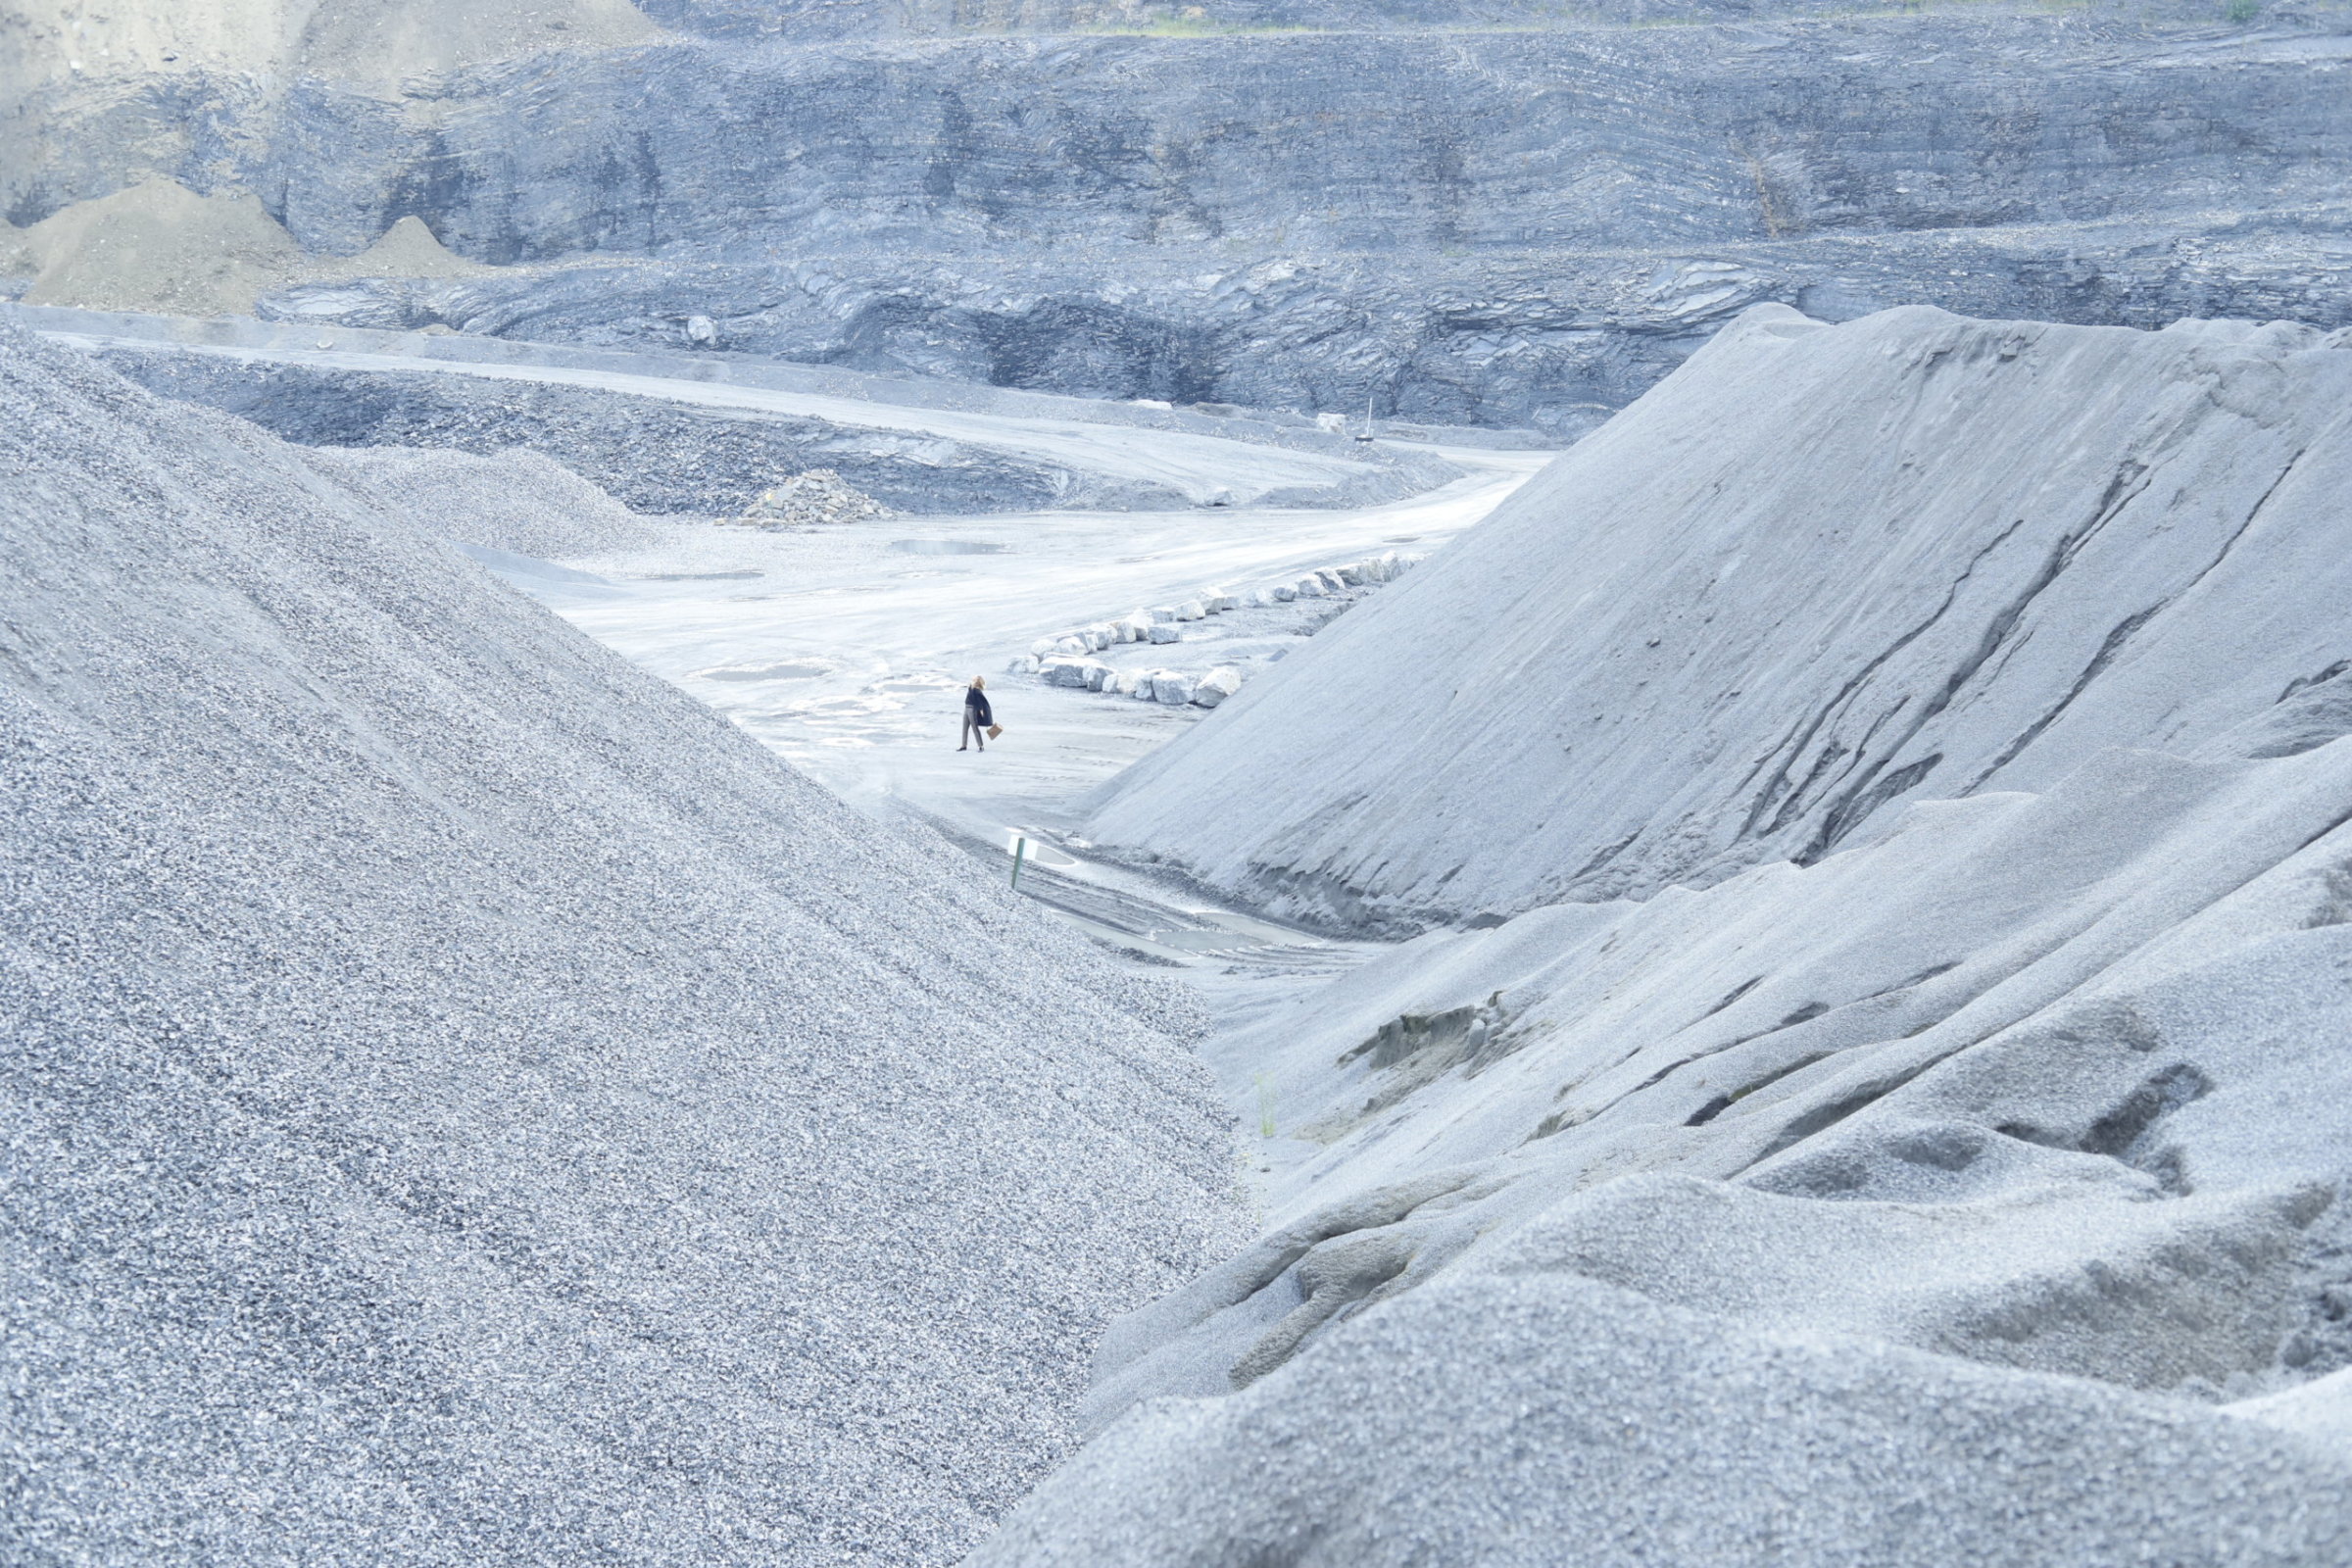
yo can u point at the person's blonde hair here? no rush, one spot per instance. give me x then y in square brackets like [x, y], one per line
[979, 683]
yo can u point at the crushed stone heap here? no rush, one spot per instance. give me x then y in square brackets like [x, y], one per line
[466, 1105]
[1819, 572]
[516, 500]
[814, 499]
[1970, 1181]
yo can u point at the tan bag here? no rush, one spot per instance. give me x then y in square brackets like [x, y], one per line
[994, 730]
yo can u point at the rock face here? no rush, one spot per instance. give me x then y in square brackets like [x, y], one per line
[1784, 592]
[678, 432]
[462, 1087]
[1525, 226]
[654, 455]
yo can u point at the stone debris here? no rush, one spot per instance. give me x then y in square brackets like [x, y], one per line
[816, 498]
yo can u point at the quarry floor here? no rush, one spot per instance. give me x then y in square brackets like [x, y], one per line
[846, 651]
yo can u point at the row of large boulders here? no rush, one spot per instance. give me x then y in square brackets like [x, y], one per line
[1171, 687]
[1165, 623]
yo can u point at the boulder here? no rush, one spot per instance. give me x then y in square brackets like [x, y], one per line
[1216, 686]
[1164, 634]
[1172, 689]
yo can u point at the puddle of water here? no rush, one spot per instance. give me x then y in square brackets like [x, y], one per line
[1201, 941]
[947, 547]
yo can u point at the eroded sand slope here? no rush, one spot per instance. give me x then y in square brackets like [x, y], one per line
[1966, 1181]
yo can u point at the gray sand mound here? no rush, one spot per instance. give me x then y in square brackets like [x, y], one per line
[466, 1103]
[1542, 1422]
[513, 500]
[2038, 1098]
[2007, 544]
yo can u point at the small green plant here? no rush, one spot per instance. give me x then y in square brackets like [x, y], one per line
[1266, 1107]
[2243, 12]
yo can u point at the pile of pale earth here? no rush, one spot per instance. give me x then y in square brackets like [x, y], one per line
[159, 246]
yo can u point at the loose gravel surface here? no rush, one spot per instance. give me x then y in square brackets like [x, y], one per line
[467, 1104]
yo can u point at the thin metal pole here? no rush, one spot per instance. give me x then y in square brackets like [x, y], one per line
[1020, 848]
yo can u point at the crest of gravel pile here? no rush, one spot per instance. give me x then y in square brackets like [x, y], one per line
[2010, 545]
[468, 1105]
[514, 501]
[1518, 1422]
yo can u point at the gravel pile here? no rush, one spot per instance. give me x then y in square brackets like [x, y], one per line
[1973, 1181]
[468, 1105]
[1509, 1421]
[809, 500]
[513, 500]
[2009, 544]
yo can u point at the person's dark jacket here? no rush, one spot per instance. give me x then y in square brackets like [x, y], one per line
[975, 703]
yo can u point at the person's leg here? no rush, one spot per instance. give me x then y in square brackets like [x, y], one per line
[965, 744]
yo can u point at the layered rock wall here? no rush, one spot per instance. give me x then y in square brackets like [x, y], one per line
[1513, 226]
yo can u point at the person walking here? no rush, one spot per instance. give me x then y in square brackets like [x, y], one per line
[976, 716]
